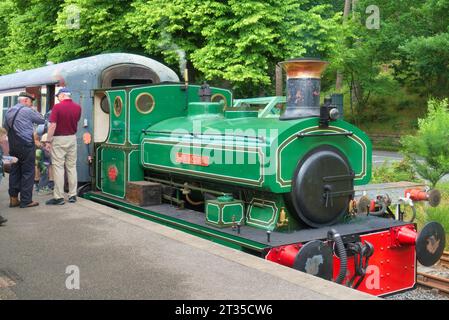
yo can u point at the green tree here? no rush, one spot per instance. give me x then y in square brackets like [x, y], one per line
[27, 33]
[89, 27]
[6, 10]
[428, 149]
[369, 54]
[409, 50]
[239, 42]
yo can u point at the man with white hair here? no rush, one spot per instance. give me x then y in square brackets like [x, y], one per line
[64, 119]
[19, 121]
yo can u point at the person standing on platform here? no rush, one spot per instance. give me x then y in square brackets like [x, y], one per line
[19, 122]
[62, 138]
[4, 160]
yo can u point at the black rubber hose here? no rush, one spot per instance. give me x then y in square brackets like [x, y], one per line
[335, 236]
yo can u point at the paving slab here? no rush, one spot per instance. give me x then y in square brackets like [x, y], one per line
[120, 256]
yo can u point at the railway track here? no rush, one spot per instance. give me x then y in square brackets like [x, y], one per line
[444, 260]
[435, 281]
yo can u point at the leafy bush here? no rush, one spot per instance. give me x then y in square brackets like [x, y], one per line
[428, 150]
[439, 214]
[425, 213]
[398, 171]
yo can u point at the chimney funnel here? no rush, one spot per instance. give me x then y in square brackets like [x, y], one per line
[303, 87]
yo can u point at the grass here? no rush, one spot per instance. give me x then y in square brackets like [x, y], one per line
[398, 171]
[440, 214]
[386, 144]
[395, 113]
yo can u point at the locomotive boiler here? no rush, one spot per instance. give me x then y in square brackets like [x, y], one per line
[294, 162]
[277, 183]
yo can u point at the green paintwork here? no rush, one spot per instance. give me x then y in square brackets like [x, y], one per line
[213, 213]
[225, 198]
[117, 122]
[135, 170]
[202, 231]
[242, 113]
[169, 101]
[162, 157]
[204, 109]
[240, 157]
[113, 159]
[224, 214]
[98, 169]
[225, 145]
[264, 209]
[262, 213]
[125, 131]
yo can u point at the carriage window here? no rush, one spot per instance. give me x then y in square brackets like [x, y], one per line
[104, 104]
[145, 103]
[218, 97]
[118, 105]
[6, 105]
[5, 102]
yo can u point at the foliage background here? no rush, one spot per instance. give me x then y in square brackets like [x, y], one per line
[389, 73]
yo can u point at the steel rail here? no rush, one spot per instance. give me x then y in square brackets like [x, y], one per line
[444, 260]
[433, 281]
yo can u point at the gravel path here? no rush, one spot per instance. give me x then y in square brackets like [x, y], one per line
[419, 293]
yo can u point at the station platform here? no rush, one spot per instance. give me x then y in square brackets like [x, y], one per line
[120, 256]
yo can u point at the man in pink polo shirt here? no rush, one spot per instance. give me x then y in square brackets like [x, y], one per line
[62, 136]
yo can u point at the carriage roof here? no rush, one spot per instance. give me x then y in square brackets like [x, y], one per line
[84, 69]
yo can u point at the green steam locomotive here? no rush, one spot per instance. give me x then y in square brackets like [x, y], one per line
[273, 181]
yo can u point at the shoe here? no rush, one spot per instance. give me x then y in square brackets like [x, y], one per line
[45, 191]
[29, 205]
[72, 199]
[55, 201]
[2, 220]
[14, 202]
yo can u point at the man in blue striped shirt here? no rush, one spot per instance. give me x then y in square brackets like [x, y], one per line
[20, 120]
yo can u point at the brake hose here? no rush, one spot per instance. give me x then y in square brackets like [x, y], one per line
[367, 252]
[335, 236]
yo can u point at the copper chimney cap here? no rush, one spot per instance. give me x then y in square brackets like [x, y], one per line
[304, 68]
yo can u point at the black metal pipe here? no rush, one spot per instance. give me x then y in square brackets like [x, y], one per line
[341, 250]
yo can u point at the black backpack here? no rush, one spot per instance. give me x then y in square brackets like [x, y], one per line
[13, 140]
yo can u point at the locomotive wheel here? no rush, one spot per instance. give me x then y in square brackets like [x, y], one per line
[322, 186]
